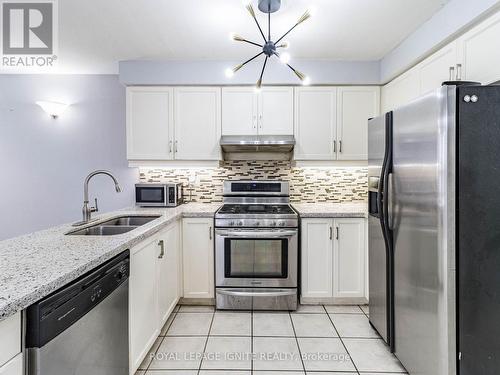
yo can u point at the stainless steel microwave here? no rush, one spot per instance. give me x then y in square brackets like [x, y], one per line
[158, 195]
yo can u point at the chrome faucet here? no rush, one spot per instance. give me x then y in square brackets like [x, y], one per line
[87, 210]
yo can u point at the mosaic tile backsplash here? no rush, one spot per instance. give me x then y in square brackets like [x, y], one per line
[307, 185]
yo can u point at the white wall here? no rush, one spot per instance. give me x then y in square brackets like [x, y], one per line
[44, 161]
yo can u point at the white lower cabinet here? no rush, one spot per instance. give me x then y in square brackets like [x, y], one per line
[168, 271]
[333, 260]
[153, 290]
[13, 367]
[198, 258]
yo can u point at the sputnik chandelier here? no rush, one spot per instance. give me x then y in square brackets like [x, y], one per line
[269, 48]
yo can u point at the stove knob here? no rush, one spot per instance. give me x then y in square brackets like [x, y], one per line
[240, 223]
[273, 223]
[257, 223]
[282, 224]
[231, 223]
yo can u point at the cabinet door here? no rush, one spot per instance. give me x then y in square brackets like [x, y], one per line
[198, 258]
[197, 123]
[143, 300]
[355, 105]
[239, 111]
[316, 261]
[149, 123]
[13, 367]
[349, 258]
[436, 69]
[276, 111]
[401, 90]
[315, 123]
[480, 52]
[168, 271]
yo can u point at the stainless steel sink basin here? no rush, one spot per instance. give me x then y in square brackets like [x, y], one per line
[117, 225]
[102, 230]
[129, 220]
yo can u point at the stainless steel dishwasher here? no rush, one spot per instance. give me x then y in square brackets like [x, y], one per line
[82, 329]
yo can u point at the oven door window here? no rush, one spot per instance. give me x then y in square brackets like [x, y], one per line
[256, 258]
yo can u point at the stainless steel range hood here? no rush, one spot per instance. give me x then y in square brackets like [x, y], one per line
[257, 147]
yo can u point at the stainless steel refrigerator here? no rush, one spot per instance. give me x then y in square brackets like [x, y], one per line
[434, 231]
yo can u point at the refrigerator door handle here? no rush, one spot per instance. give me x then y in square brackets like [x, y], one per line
[390, 203]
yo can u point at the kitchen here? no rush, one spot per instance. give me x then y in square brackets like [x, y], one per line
[241, 224]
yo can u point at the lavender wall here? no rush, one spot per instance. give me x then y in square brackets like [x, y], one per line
[44, 161]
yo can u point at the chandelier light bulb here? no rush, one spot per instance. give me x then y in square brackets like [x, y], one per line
[229, 72]
[306, 81]
[285, 57]
[285, 44]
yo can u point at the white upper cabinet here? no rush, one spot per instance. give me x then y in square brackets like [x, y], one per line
[436, 69]
[239, 111]
[473, 57]
[149, 123]
[315, 123]
[246, 112]
[479, 51]
[197, 120]
[402, 90]
[275, 111]
[355, 106]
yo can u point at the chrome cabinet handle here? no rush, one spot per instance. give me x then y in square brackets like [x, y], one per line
[210, 232]
[452, 73]
[161, 243]
[337, 233]
[334, 145]
[331, 232]
[459, 72]
[340, 146]
[254, 121]
[170, 147]
[260, 121]
[176, 146]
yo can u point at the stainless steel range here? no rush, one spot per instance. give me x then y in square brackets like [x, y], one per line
[256, 247]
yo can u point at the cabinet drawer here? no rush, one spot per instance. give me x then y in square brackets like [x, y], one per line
[10, 342]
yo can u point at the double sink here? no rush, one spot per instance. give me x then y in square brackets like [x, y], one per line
[117, 225]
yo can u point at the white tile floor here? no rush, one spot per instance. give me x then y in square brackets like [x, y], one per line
[327, 340]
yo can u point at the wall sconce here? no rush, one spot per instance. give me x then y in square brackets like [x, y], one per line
[53, 109]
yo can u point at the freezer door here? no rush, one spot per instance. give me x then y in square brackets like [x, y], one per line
[421, 211]
[376, 247]
[479, 234]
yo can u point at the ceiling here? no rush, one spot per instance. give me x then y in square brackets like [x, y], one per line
[95, 34]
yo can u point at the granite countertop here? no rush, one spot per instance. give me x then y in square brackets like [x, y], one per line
[318, 210]
[34, 265]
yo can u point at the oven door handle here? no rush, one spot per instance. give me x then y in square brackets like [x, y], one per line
[257, 234]
[276, 293]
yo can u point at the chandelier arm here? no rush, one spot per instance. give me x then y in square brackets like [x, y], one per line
[269, 23]
[260, 29]
[263, 68]
[250, 42]
[250, 59]
[285, 34]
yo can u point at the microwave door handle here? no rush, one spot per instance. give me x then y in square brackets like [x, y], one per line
[267, 234]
